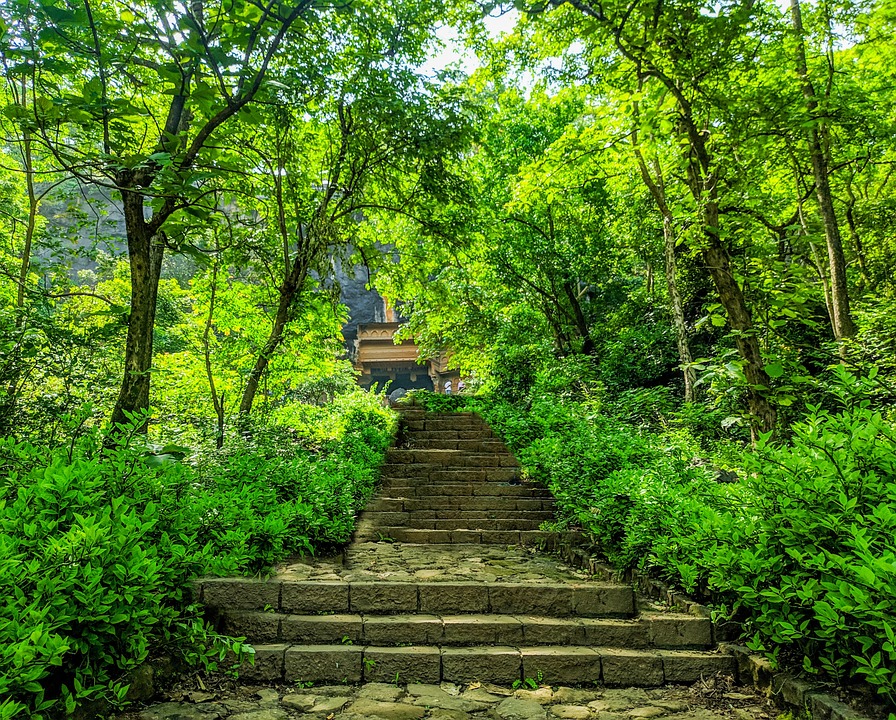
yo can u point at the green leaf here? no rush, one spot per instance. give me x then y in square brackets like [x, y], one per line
[774, 370]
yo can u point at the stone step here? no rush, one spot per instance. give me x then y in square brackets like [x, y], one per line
[482, 524]
[453, 536]
[428, 473]
[553, 665]
[441, 423]
[450, 503]
[414, 490]
[398, 518]
[650, 630]
[471, 446]
[421, 435]
[460, 519]
[296, 597]
[450, 458]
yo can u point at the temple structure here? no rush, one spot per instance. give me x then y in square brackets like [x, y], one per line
[370, 343]
[379, 360]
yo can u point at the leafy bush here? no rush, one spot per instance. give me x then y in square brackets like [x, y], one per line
[802, 549]
[96, 557]
[98, 547]
[808, 557]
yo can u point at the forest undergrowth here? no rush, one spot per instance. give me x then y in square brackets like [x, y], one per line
[99, 546]
[792, 538]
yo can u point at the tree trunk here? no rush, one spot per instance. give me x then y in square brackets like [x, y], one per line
[289, 290]
[719, 265]
[217, 401]
[588, 347]
[146, 251]
[841, 317]
[857, 245]
[11, 396]
[681, 331]
[658, 191]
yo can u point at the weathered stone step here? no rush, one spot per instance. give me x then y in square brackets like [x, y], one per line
[472, 446]
[439, 473]
[449, 503]
[460, 536]
[391, 598]
[450, 458]
[482, 524]
[656, 630]
[398, 518]
[439, 490]
[460, 519]
[554, 665]
[441, 423]
[483, 433]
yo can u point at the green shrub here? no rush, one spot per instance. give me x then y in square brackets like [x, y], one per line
[98, 547]
[96, 558]
[808, 560]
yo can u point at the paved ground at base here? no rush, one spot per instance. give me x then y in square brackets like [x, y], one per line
[716, 700]
[401, 562]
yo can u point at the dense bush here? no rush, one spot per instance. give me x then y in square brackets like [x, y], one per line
[801, 548]
[806, 553]
[98, 547]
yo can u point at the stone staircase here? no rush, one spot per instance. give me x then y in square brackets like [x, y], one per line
[450, 480]
[438, 587]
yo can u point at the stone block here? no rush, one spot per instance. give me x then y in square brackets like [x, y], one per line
[461, 597]
[383, 598]
[688, 667]
[671, 630]
[367, 708]
[614, 633]
[324, 663]
[386, 505]
[487, 664]
[603, 600]
[240, 594]
[566, 665]
[539, 630]
[260, 626]
[403, 664]
[465, 537]
[554, 600]
[794, 691]
[482, 630]
[400, 629]
[501, 537]
[533, 538]
[481, 461]
[322, 629]
[630, 668]
[268, 665]
[314, 597]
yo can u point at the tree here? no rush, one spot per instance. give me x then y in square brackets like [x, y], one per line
[130, 96]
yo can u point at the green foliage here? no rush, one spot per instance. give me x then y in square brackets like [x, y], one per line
[808, 556]
[98, 547]
[797, 541]
[96, 558]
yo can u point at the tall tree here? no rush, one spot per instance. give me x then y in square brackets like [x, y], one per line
[841, 317]
[131, 97]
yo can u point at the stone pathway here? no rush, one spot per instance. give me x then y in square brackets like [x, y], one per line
[399, 562]
[705, 701]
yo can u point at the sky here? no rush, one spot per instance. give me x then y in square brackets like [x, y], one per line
[453, 50]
